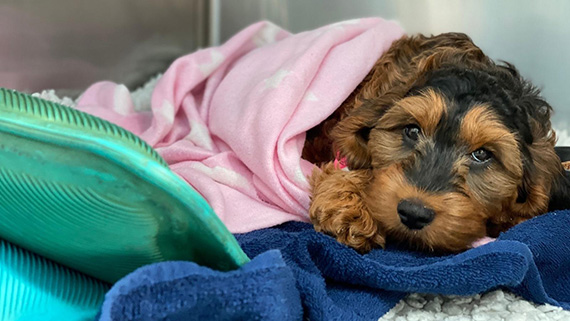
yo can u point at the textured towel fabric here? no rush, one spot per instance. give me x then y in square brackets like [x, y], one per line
[231, 120]
[264, 289]
[335, 283]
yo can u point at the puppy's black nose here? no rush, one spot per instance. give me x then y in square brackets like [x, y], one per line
[414, 214]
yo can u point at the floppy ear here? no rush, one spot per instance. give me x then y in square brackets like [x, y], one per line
[351, 135]
[542, 169]
[543, 174]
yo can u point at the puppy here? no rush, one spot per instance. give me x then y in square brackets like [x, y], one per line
[443, 146]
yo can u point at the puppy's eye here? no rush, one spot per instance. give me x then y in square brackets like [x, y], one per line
[412, 132]
[481, 155]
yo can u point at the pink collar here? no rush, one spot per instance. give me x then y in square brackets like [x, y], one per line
[340, 163]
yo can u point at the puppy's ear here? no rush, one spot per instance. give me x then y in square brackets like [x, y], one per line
[543, 174]
[351, 135]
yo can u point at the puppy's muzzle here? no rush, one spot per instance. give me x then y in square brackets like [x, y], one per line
[414, 214]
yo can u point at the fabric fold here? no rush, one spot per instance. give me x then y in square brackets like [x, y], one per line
[334, 282]
[231, 120]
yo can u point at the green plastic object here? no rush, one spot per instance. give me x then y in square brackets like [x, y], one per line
[35, 289]
[94, 197]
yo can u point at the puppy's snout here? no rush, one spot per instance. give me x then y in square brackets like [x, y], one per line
[414, 214]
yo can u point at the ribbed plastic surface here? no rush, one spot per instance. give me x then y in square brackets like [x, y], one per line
[92, 196]
[35, 289]
[47, 111]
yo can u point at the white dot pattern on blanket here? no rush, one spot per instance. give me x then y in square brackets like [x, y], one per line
[299, 175]
[121, 104]
[167, 111]
[200, 135]
[310, 96]
[217, 59]
[223, 175]
[275, 80]
[266, 35]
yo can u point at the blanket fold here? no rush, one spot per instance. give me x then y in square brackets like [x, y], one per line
[231, 120]
[264, 289]
[336, 283]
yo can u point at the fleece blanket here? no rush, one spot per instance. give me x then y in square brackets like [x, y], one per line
[231, 120]
[333, 282]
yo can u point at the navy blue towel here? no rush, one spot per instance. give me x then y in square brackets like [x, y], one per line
[296, 273]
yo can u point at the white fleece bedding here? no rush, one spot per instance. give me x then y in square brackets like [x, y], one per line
[494, 306]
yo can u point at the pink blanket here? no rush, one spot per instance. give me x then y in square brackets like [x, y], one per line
[231, 120]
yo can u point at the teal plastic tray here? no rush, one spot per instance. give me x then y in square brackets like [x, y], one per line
[94, 197]
[35, 289]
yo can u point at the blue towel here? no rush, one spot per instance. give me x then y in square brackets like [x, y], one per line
[334, 282]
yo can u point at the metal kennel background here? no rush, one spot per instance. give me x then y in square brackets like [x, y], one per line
[68, 44]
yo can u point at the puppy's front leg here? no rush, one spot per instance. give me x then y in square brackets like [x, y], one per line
[337, 207]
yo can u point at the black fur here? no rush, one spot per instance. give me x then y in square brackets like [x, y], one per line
[510, 96]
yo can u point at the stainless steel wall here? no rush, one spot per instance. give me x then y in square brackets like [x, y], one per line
[68, 44]
[534, 35]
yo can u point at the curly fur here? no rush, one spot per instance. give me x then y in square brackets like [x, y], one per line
[462, 101]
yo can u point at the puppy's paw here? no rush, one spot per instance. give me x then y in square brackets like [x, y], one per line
[337, 208]
[349, 226]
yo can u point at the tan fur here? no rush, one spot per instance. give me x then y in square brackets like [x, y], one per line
[359, 207]
[451, 228]
[480, 127]
[337, 207]
[427, 109]
[406, 60]
[537, 184]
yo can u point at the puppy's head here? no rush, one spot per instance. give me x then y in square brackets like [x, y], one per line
[456, 154]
